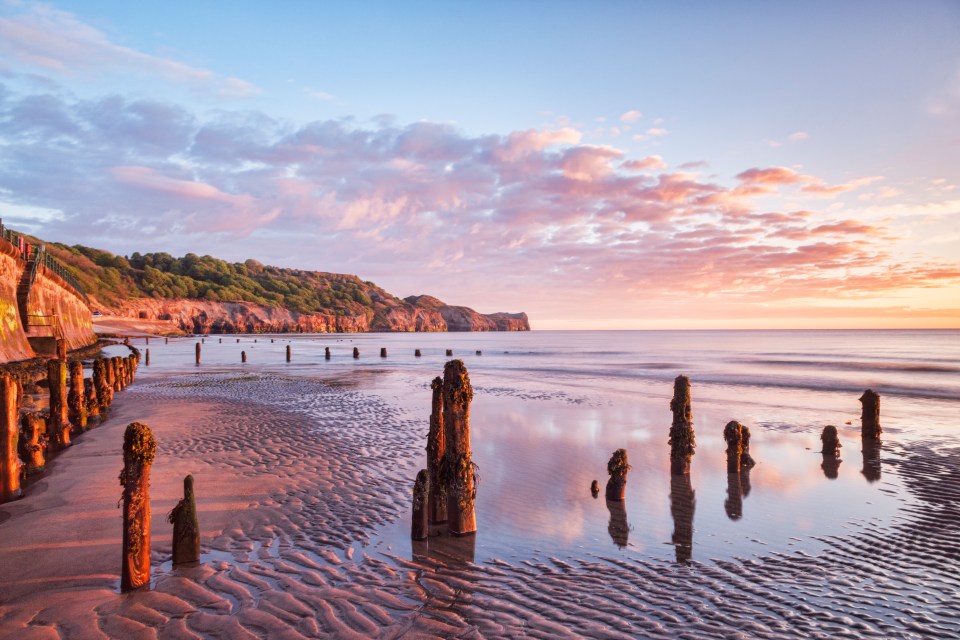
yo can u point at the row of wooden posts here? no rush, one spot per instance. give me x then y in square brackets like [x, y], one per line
[445, 491]
[198, 350]
[29, 438]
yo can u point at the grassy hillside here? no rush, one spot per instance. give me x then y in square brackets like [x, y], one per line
[110, 279]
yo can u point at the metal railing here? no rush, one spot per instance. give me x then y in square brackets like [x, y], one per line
[40, 256]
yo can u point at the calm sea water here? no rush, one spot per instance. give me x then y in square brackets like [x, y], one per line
[550, 407]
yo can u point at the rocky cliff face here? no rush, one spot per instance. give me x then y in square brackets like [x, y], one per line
[203, 316]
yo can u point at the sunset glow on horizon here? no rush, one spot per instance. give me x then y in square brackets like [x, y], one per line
[613, 166]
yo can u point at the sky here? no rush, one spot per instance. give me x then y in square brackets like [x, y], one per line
[609, 165]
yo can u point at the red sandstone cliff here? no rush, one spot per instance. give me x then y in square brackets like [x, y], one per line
[389, 314]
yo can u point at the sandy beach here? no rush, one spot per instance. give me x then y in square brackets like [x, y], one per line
[304, 477]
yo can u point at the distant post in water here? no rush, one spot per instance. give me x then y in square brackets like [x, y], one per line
[436, 449]
[197, 352]
[59, 426]
[449, 353]
[186, 527]
[166, 341]
[76, 398]
[146, 340]
[682, 442]
[831, 442]
[383, 352]
[737, 438]
[617, 467]
[289, 354]
[243, 356]
[9, 434]
[458, 468]
[326, 352]
[146, 358]
[356, 352]
[416, 353]
[870, 415]
[420, 527]
[139, 449]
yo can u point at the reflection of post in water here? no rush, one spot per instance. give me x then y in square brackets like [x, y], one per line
[733, 505]
[830, 451]
[682, 505]
[871, 459]
[452, 551]
[619, 528]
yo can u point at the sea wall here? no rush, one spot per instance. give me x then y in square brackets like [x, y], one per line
[13, 339]
[49, 294]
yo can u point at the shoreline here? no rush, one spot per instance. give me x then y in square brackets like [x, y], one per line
[307, 559]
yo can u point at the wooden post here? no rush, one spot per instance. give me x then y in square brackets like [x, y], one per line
[383, 352]
[617, 467]
[33, 441]
[449, 353]
[436, 449]
[101, 383]
[420, 527]
[76, 398]
[186, 528]
[682, 441]
[289, 354]
[197, 353]
[416, 353]
[139, 449]
[458, 468]
[870, 415]
[93, 404]
[10, 464]
[146, 358]
[243, 356]
[59, 427]
[356, 352]
[326, 352]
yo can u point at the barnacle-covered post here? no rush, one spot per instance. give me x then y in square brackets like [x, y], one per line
[10, 463]
[139, 449]
[116, 375]
[436, 449]
[196, 352]
[458, 468]
[59, 426]
[870, 415]
[420, 526]
[831, 442]
[93, 405]
[33, 441]
[76, 398]
[101, 382]
[682, 442]
[737, 437]
[186, 527]
[617, 467]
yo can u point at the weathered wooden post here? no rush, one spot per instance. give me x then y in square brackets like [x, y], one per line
[166, 341]
[594, 488]
[197, 353]
[356, 352]
[139, 449]
[10, 465]
[93, 404]
[59, 426]
[326, 352]
[383, 352]
[416, 353]
[831, 441]
[33, 441]
[146, 358]
[459, 474]
[220, 341]
[737, 437]
[243, 356]
[449, 353]
[870, 415]
[101, 382]
[420, 526]
[479, 353]
[116, 375]
[146, 340]
[186, 527]
[682, 440]
[436, 449]
[617, 467]
[76, 398]
[289, 354]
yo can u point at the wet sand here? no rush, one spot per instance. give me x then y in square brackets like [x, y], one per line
[303, 489]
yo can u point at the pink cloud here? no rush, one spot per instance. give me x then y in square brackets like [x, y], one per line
[644, 164]
[631, 116]
[772, 176]
[588, 163]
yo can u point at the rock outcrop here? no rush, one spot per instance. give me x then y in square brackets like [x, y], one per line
[416, 313]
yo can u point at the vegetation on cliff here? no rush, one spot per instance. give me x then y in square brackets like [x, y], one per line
[113, 282]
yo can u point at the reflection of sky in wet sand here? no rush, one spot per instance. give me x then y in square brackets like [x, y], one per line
[540, 436]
